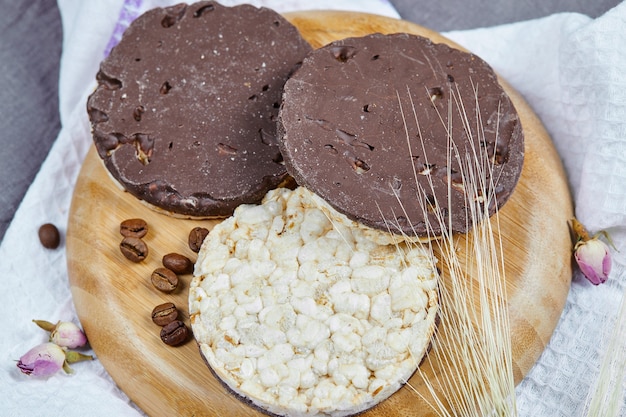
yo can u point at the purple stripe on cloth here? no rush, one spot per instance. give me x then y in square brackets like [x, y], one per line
[129, 12]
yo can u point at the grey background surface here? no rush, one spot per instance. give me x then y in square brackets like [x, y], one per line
[30, 48]
[444, 15]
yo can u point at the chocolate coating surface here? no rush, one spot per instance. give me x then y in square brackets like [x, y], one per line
[369, 125]
[184, 115]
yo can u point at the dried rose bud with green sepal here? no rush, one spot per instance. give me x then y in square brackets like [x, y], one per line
[64, 333]
[47, 359]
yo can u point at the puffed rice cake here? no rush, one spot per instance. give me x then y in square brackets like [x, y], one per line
[305, 316]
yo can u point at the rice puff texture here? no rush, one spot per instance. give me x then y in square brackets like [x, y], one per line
[306, 317]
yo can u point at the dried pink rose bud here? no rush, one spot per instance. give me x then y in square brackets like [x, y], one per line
[67, 334]
[48, 358]
[594, 260]
[592, 255]
[43, 360]
[64, 333]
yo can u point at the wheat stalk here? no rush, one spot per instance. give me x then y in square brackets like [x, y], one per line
[607, 397]
[470, 370]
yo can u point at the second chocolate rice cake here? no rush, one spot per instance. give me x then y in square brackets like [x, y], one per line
[400, 133]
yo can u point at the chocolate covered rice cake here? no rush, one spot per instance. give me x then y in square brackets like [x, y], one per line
[184, 112]
[391, 129]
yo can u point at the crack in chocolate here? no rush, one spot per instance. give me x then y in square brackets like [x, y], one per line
[203, 10]
[343, 136]
[165, 88]
[267, 138]
[106, 143]
[144, 145]
[426, 169]
[225, 149]
[343, 53]
[351, 140]
[97, 116]
[358, 165]
[173, 15]
[435, 93]
[107, 81]
[498, 153]
[138, 112]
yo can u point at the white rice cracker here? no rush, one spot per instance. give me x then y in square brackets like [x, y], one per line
[306, 317]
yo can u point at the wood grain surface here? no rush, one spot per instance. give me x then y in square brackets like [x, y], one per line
[114, 297]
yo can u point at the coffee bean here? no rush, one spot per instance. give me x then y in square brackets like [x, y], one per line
[164, 314]
[174, 333]
[134, 249]
[164, 279]
[196, 237]
[178, 263]
[134, 227]
[49, 236]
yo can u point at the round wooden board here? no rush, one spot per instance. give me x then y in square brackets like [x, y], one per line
[114, 297]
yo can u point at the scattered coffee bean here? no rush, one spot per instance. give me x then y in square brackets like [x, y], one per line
[134, 227]
[164, 314]
[49, 236]
[178, 263]
[164, 279]
[196, 237]
[174, 333]
[134, 249]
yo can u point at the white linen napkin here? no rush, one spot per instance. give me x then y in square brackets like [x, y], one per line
[569, 67]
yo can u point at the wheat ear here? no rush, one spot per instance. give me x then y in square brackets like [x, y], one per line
[469, 371]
